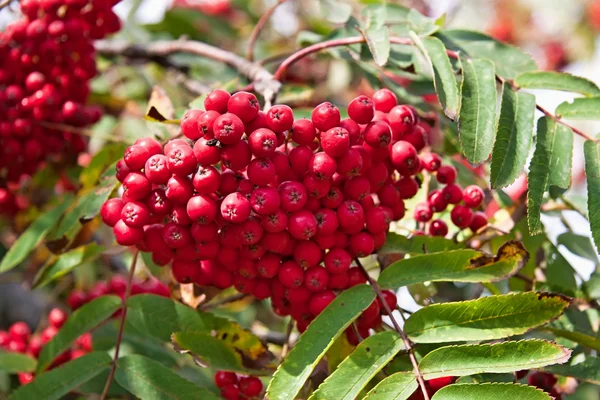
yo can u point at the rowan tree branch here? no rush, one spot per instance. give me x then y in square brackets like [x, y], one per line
[113, 367]
[407, 342]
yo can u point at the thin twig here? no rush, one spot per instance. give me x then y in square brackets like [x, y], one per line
[288, 334]
[407, 342]
[262, 80]
[113, 367]
[258, 28]
[225, 300]
[5, 3]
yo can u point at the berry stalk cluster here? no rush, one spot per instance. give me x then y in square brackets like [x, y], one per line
[47, 60]
[275, 206]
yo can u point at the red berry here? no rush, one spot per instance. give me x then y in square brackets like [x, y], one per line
[479, 221]
[293, 196]
[319, 301]
[236, 156]
[135, 157]
[407, 187]
[461, 216]
[190, 126]
[325, 116]
[235, 208]
[230, 392]
[337, 261]
[361, 110]
[228, 128]
[291, 274]
[111, 211]
[262, 142]
[244, 105]
[431, 161]
[205, 154]
[453, 193]
[307, 254]
[250, 386]
[136, 186]
[302, 225]
[390, 300]
[402, 120]
[384, 100]
[57, 317]
[261, 171]
[446, 174]
[156, 169]
[126, 235]
[335, 141]
[423, 212]
[19, 331]
[361, 244]
[438, 228]
[202, 209]
[303, 132]
[473, 196]
[378, 134]
[217, 101]
[437, 200]
[224, 378]
[322, 165]
[405, 158]
[280, 118]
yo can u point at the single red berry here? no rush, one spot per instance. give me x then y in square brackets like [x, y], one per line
[361, 110]
[438, 228]
[405, 158]
[431, 161]
[402, 120]
[325, 116]
[322, 165]
[417, 137]
[303, 132]
[423, 212]
[244, 105]
[446, 174]
[206, 154]
[291, 274]
[384, 100]
[268, 266]
[19, 331]
[135, 157]
[236, 156]
[126, 235]
[224, 378]
[319, 301]
[452, 193]
[76, 299]
[190, 126]
[280, 118]
[250, 386]
[355, 277]
[335, 141]
[262, 142]
[316, 279]
[302, 225]
[353, 130]
[135, 214]
[361, 244]
[217, 101]
[57, 317]
[473, 196]
[307, 253]
[261, 171]
[407, 187]
[111, 211]
[370, 314]
[337, 261]
[293, 196]
[438, 383]
[228, 128]
[378, 134]
[230, 392]
[235, 208]
[136, 186]
[437, 200]
[479, 221]
[299, 158]
[461, 216]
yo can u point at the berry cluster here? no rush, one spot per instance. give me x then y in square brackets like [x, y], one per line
[274, 206]
[438, 200]
[47, 59]
[546, 382]
[117, 285]
[20, 339]
[237, 387]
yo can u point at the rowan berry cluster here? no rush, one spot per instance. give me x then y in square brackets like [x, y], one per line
[117, 285]
[47, 59]
[275, 206]
[20, 339]
[237, 387]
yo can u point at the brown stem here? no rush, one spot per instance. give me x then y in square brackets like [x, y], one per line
[263, 81]
[223, 301]
[288, 333]
[258, 28]
[407, 342]
[5, 3]
[113, 367]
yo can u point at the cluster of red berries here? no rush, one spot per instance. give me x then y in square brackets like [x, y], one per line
[438, 200]
[19, 339]
[237, 387]
[117, 285]
[274, 206]
[546, 382]
[47, 59]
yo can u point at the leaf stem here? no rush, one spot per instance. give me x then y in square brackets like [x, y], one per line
[258, 29]
[113, 367]
[407, 342]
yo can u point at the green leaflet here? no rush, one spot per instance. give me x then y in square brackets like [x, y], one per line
[491, 358]
[314, 342]
[487, 318]
[490, 391]
[398, 386]
[513, 139]
[550, 165]
[477, 122]
[355, 372]
[581, 108]
[592, 171]
[554, 80]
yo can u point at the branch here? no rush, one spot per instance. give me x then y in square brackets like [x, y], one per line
[263, 81]
[407, 342]
[258, 28]
[113, 367]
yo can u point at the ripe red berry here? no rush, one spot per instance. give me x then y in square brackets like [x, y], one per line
[407, 187]
[57, 317]
[335, 141]
[384, 100]
[402, 120]
[453, 193]
[19, 331]
[325, 116]
[361, 244]
[135, 157]
[293, 196]
[236, 156]
[431, 161]
[319, 301]
[217, 101]
[423, 212]
[235, 208]
[461, 216]
[479, 221]
[111, 211]
[307, 254]
[378, 134]
[303, 132]
[438, 228]
[126, 235]
[228, 128]
[280, 118]
[302, 225]
[136, 186]
[190, 126]
[361, 110]
[206, 124]
[230, 392]
[262, 142]
[473, 196]
[337, 261]
[291, 274]
[405, 158]
[244, 105]
[446, 174]
[206, 154]
[316, 279]
[437, 200]
[250, 386]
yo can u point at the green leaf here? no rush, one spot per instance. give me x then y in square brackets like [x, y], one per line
[355, 372]
[487, 318]
[336, 11]
[553, 80]
[491, 358]
[34, 235]
[314, 342]
[490, 391]
[65, 263]
[84, 319]
[59, 381]
[444, 79]
[582, 108]
[16, 362]
[559, 273]
[577, 337]
[591, 152]
[465, 265]
[396, 243]
[588, 370]
[398, 386]
[108, 155]
[578, 244]
[513, 139]
[160, 317]
[510, 61]
[420, 24]
[377, 35]
[550, 165]
[477, 121]
[149, 380]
